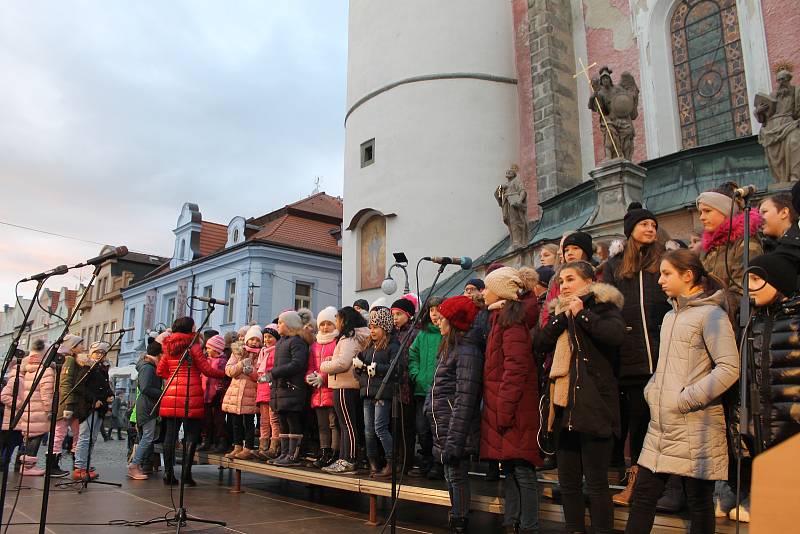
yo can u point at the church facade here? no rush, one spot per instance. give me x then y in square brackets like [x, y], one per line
[444, 97]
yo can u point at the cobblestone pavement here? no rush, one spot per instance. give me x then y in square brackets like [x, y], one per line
[266, 505]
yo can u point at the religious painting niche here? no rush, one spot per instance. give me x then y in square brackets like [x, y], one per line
[372, 261]
[709, 72]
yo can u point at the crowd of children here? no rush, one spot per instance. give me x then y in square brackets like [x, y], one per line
[559, 366]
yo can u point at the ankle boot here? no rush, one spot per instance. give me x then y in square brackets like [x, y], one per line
[623, 498]
[325, 458]
[386, 472]
[374, 467]
[292, 457]
[186, 468]
[274, 448]
[458, 525]
[236, 450]
[244, 454]
[169, 464]
[283, 440]
[263, 446]
[55, 469]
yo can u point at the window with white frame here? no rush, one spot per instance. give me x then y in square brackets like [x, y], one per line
[230, 296]
[169, 310]
[302, 295]
[207, 292]
[131, 323]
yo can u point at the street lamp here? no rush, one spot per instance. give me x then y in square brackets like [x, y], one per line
[389, 286]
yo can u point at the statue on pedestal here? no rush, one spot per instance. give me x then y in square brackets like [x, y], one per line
[512, 198]
[618, 107]
[779, 115]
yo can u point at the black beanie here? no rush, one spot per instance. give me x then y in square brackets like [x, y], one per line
[404, 305]
[545, 274]
[581, 240]
[779, 271]
[154, 349]
[796, 196]
[636, 214]
[361, 303]
[477, 282]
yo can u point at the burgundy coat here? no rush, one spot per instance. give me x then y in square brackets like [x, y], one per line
[510, 418]
[172, 405]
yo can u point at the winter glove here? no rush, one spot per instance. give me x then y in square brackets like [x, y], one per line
[266, 377]
[314, 380]
[371, 369]
[357, 363]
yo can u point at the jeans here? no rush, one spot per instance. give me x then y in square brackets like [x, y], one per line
[88, 432]
[350, 415]
[424, 431]
[377, 414]
[521, 495]
[457, 477]
[145, 448]
[582, 455]
[648, 489]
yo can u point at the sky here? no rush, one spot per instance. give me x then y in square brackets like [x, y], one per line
[116, 113]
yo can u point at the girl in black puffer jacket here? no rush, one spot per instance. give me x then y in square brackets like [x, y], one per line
[453, 407]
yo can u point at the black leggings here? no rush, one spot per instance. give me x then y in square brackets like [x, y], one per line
[243, 429]
[635, 417]
[350, 414]
[580, 455]
[291, 422]
[648, 489]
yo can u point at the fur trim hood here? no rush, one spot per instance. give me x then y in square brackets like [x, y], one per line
[719, 236]
[602, 293]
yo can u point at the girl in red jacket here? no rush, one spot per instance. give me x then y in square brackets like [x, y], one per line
[321, 395]
[510, 419]
[173, 405]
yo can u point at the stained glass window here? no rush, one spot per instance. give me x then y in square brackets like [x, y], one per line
[709, 72]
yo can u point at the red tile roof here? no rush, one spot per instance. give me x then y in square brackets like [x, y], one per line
[213, 237]
[320, 203]
[302, 233]
[53, 301]
[72, 297]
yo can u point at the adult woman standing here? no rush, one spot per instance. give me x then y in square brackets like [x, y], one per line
[585, 332]
[699, 362]
[635, 274]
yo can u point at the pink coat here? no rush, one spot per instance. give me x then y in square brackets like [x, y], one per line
[266, 361]
[36, 417]
[320, 397]
[241, 395]
[7, 394]
[214, 388]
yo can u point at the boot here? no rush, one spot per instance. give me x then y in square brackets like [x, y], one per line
[245, 454]
[458, 524]
[744, 511]
[274, 448]
[29, 467]
[186, 469]
[292, 457]
[80, 474]
[674, 498]
[263, 445]
[422, 469]
[374, 467]
[386, 472]
[236, 450]
[135, 473]
[55, 468]
[623, 498]
[436, 472]
[169, 464]
[325, 458]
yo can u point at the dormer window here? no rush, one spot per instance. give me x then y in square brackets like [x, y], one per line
[236, 230]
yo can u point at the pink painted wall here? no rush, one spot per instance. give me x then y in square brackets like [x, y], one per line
[527, 148]
[781, 22]
[600, 47]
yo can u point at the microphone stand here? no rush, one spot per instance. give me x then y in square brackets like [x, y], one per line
[13, 351]
[87, 479]
[181, 514]
[396, 397]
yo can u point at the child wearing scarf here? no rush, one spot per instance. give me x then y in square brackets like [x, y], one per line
[240, 399]
[270, 428]
[321, 395]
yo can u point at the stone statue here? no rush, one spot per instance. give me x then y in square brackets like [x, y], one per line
[619, 104]
[779, 115]
[513, 200]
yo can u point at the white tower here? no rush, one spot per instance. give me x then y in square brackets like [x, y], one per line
[431, 128]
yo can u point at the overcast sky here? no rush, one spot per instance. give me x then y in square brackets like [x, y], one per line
[115, 113]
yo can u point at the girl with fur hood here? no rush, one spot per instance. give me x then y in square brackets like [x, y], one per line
[585, 331]
[240, 398]
[698, 362]
[720, 255]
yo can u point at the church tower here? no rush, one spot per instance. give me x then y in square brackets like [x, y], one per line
[432, 125]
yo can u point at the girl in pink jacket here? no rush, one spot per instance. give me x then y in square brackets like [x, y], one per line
[270, 427]
[321, 395]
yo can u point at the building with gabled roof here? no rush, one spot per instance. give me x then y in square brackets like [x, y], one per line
[286, 258]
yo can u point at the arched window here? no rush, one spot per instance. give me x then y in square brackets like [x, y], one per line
[709, 72]
[372, 252]
[182, 253]
[235, 235]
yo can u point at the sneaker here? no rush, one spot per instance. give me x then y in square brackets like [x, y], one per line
[341, 467]
[744, 511]
[724, 499]
[80, 474]
[135, 473]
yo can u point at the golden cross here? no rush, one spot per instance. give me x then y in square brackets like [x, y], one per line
[585, 72]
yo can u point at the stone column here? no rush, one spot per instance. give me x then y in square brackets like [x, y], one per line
[618, 182]
[555, 105]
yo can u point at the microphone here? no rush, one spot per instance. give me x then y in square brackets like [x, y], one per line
[61, 269]
[210, 300]
[744, 192]
[116, 253]
[464, 261]
[120, 331]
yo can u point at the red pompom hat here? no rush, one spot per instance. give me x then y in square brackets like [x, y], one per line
[460, 311]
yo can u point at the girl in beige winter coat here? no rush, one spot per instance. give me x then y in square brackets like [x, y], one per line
[698, 362]
[240, 398]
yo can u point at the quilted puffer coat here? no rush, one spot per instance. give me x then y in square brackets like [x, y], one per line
[35, 419]
[698, 362]
[240, 398]
[173, 402]
[454, 405]
[321, 397]
[339, 367]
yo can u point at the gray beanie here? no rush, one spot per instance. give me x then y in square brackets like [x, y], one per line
[292, 320]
